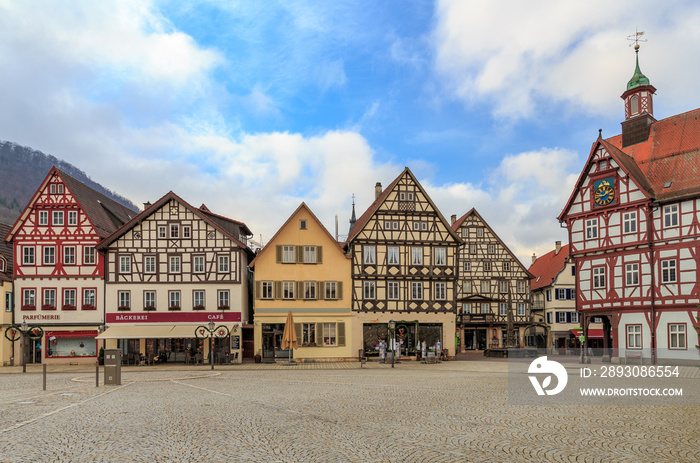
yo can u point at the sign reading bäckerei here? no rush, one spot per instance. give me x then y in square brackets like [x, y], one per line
[173, 317]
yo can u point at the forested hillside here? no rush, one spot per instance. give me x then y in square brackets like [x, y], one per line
[21, 171]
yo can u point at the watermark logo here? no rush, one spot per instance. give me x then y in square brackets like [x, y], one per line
[551, 368]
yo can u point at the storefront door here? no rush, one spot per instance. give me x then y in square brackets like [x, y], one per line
[272, 341]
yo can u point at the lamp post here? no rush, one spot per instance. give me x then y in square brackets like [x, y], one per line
[33, 332]
[210, 331]
[392, 329]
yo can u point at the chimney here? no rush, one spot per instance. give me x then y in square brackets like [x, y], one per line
[453, 219]
[377, 190]
[146, 205]
[534, 257]
[557, 247]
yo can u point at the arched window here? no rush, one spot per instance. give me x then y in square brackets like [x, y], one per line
[634, 105]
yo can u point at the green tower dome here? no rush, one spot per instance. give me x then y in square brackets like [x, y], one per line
[638, 79]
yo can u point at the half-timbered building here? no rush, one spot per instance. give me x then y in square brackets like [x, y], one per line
[169, 270]
[303, 270]
[634, 230]
[493, 289]
[404, 267]
[6, 263]
[58, 275]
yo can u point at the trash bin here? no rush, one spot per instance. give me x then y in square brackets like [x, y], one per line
[113, 367]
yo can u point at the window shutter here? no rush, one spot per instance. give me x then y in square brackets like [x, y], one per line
[341, 333]
[319, 254]
[297, 328]
[300, 254]
[321, 288]
[278, 289]
[300, 290]
[549, 317]
[568, 294]
[568, 317]
[549, 294]
[556, 294]
[319, 334]
[339, 293]
[258, 289]
[278, 250]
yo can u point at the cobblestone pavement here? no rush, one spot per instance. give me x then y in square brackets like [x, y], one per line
[454, 411]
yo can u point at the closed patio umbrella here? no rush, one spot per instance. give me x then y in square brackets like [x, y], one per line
[289, 336]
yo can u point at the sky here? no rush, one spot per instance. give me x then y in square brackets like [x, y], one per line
[253, 107]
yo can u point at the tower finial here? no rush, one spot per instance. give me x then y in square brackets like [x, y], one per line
[636, 39]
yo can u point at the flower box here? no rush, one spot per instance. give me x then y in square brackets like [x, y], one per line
[149, 308]
[48, 307]
[198, 307]
[223, 307]
[123, 307]
[174, 307]
[68, 307]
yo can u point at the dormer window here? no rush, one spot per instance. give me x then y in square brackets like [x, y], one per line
[2, 264]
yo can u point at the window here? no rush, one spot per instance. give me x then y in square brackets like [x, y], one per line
[69, 298]
[369, 289]
[89, 255]
[440, 256]
[57, 217]
[561, 317]
[28, 255]
[467, 287]
[149, 300]
[308, 333]
[223, 299]
[59, 188]
[549, 317]
[521, 287]
[506, 266]
[393, 290]
[487, 266]
[223, 264]
[591, 229]
[124, 264]
[632, 274]
[288, 289]
[416, 256]
[467, 266]
[676, 336]
[467, 307]
[173, 300]
[331, 290]
[49, 255]
[574, 317]
[440, 291]
[480, 232]
[491, 249]
[629, 222]
[69, 255]
[28, 298]
[634, 336]
[72, 217]
[198, 264]
[309, 290]
[387, 225]
[503, 286]
[668, 271]
[599, 277]
[8, 302]
[521, 309]
[302, 224]
[174, 264]
[417, 290]
[485, 307]
[43, 217]
[89, 298]
[174, 230]
[288, 254]
[392, 255]
[472, 249]
[52, 188]
[187, 231]
[49, 302]
[671, 216]
[267, 289]
[370, 255]
[149, 264]
[161, 232]
[124, 298]
[310, 254]
[329, 334]
[503, 309]
[416, 225]
[198, 299]
[560, 293]
[485, 286]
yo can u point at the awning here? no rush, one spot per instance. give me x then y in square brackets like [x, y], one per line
[153, 331]
[592, 333]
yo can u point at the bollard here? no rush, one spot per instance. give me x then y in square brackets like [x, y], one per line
[97, 374]
[44, 376]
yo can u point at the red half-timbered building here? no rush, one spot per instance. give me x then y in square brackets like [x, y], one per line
[58, 275]
[633, 221]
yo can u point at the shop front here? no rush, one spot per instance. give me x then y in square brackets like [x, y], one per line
[409, 336]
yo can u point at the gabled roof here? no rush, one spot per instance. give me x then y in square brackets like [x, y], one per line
[286, 223]
[6, 252]
[458, 223]
[205, 216]
[372, 209]
[105, 214]
[547, 267]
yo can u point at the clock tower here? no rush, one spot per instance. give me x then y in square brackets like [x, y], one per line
[639, 108]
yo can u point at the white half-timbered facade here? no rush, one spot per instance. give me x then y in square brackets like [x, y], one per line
[493, 289]
[59, 275]
[404, 267]
[634, 231]
[175, 267]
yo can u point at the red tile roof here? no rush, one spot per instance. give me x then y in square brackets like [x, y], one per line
[671, 154]
[546, 268]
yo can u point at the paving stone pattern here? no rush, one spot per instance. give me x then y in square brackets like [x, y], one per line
[454, 411]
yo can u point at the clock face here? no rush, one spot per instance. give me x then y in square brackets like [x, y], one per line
[604, 192]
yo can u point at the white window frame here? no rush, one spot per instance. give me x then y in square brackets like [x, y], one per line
[174, 300]
[521, 287]
[330, 337]
[288, 288]
[487, 266]
[162, 231]
[198, 264]
[506, 266]
[124, 264]
[310, 255]
[467, 307]
[69, 255]
[671, 216]
[416, 255]
[186, 231]
[440, 291]
[331, 290]
[392, 255]
[677, 336]
[89, 297]
[503, 309]
[223, 266]
[149, 264]
[370, 255]
[58, 218]
[634, 336]
[43, 218]
[503, 286]
[89, 255]
[29, 297]
[417, 290]
[69, 297]
[28, 255]
[310, 290]
[592, 229]
[149, 299]
[223, 299]
[174, 265]
[369, 290]
[467, 287]
[440, 256]
[49, 298]
[598, 277]
[669, 271]
[174, 230]
[392, 290]
[632, 274]
[521, 309]
[124, 299]
[288, 254]
[467, 266]
[485, 307]
[49, 255]
[485, 286]
[72, 217]
[629, 222]
[268, 290]
[199, 298]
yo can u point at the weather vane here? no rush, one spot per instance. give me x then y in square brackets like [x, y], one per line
[636, 39]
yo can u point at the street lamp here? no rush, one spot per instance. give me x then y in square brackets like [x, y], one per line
[392, 328]
[210, 331]
[33, 332]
